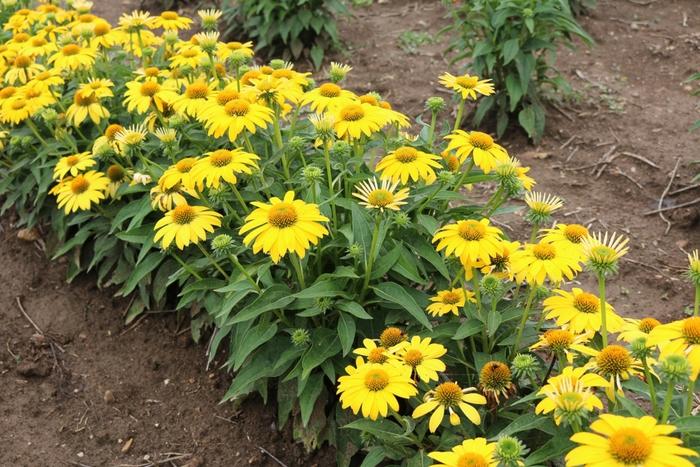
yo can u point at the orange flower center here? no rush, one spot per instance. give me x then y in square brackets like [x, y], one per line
[183, 214]
[283, 73]
[72, 160]
[575, 233]
[237, 108]
[380, 198]
[691, 330]
[471, 230]
[39, 41]
[149, 88]
[352, 113]
[234, 45]
[71, 49]
[559, 339]
[112, 131]
[7, 92]
[369, 99]
[86, 18]
[448, 394]
[376, 379]
[413, 357]
[467, 82]
[115, 173]
[220, 158]
[197, 91]
[282, 215]
[226, 96]
[647, 324]
[377, 355]
[21, 37]
[480, 140]
[450, 298]
[18, 104]
[83, 100]
[79, 185]
[266, 70]
[630, 446]
[471, 459]
[22, 61]
[614, 360]
[544, 251]
[185, 165]
[169, 15]
[495, 375]
[189, 53]
[102, 28]
[391, 336]
[406, 154]
[586, 303]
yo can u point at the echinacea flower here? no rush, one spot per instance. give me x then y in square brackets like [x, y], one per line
[634, 329]
[235, 116]
[85, 106]
[282, 226]
[472, 241]
[559, 342]
[372, 195]
[448, 396]
[353, 120]
[327, 97]
[679, 337]
[186, 224]
[614, 363]
[570, 235]
[602, 252]
[628, 441]
[373, 352]
[541, 206]
[391, 336]
[373, 388]
[407, 163]
[449, 301]
[222, 165]
[422, 356]
[171, 21]
[471, 452]
[580, 311]
[466, 86]
[80, 192]
[569, 395]
[72, 57]
[537, 262]
[73, 165]
[485, 153]
[496, 381]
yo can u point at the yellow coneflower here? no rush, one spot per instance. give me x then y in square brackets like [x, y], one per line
[228, 49]
[391, 337]
[614, 363]
[407, 163]
[559, 342]
[373, 352]
[186, 224]
[179, 173]
[602, 251]
[73, 57]
[117, 176]
[85, 106]
[422, 356]
[97, 87]
[449, 301]
[235, 116]
[171, 21]
[328, 97]
[485, 153]
[22, 69]
[569, 395]
[537, 262]
[541, 206]
[141, 96]
[580, 311]
[471, 452]
[384, 196]
[131, 136]
[472, 241]
[635, 329]
[15, 110]
[136, 21]
[679, 337]
[467, 86]
[190, 56]
[222, 165]
[80, 192]
[73, 165]
[496, 381]
[353, 120]
[209, 17]
[449, 397]
[109, 139]
[165, 199]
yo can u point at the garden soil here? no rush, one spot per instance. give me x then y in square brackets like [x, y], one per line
[82, 389]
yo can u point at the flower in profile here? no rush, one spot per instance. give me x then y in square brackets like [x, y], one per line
[693, 272]
[179, 173]
[323, 124]
[193, 100]
[117, 175]
[486, 154]
[143, 96]
[496, 381]
[338, 71]
[73, 165]
[352, 120]
[472, 241]
[372, 195]
[235, 116]
[449, 397]
[171, 21]
[569, 395]
[22, 69]
[373, 388]
[537, 262]
[222, 165]
[449, 301]
[391, 336]
[136, 21]
[327, 97]
[86, 106]
[235, 51]
[131, 136]
[628, 441]
[422, 356]
[408, 162]
[209, 18]
[165, 199]
[580, 311]
[559, 342]
[186, 224]
[80, 192]
[570, 235]
[541, 206]
[614, 363]
[471, 452]
[679, 337]
[513, 177]
[466, 86]
[602, 252]
[166, 135]
[373, 352]
[282, 226]
[499, 264]
[634, 329]
[140, 179]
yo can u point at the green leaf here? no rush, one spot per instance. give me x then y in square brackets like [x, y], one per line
[374, 457]
[273, 298]
[511, 47]
[690, 424]
[426, 251]
[353, 308]
[526, 422]
[346, 332]
[325, 344]
[552, 449]
[468, 328]
[307, 399]
[421, 459]
[382, 428]
[361, 229]
[322, 288]
[526, 118]
[316, 54]
[143, 268]
[252, 339]
[493, 321]
[394, 293]
[515, 92]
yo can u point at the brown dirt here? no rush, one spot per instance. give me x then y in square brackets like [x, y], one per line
[630, 94]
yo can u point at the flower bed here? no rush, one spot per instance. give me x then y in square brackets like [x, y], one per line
[304, 228]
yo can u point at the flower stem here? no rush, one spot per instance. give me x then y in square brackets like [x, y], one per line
[240, 199]
[696, 309]
[370, 258]
[603, 311]
[523, 320]
[238, 265]
[460, 112]
[329, 178]
[667, 402]
[296, 263]
[465, 174]
[431, 131]
[533, 233]
[213, 261]
[185, 266]
[691, 396]
[35, 130]
[652, 387]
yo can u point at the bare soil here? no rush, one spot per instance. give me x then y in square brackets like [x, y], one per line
[80, 393]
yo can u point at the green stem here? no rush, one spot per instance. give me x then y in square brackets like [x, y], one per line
[667, 402]
[479, 310]
[213, 261]
[460, 112]
[523, 320]
[240, 267]
[429, 198]
[691, 396]
[280, 144]
[603, 311]
[370, 258]
[185, 266]
[652, 387]
[465, 173]
[696, 309]
[431, 131]
[240, 199]
[35, 130]
[533, 233]
[329, 179]
[296, 263]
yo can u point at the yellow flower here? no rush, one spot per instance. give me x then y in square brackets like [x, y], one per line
[472, 452]
[136, 21]
[580, 311]
[375, 196]
[171, 21]
[73, 165]
[193, 100]
[485, 153]
[569, 395]
[73, 57]
[187, 56]
[540, 261]
[46, 79]
[235, 116]
[614, 363]
[22, 69]
[15, 110]
[117, 177]
[179, 173]
[141, 96]
[422, 356]
[602, 252]
[499, 264]
[109, 138]
[496, 381]
[131, 136]
[391, 337]
[222, 164]
[186, 224]
[470, 240]
[78, 193]
[628, 441]
[449, 301]
[373, 352]
[328, 97]
[449, 396]
[467, 86]
[542, 204]
[227, 49]
[354, 119]
[559, 342]
[679, 337]
[634, 329]
[374, 387]
[85, 106]
[407, 162]
[166, 199]
[569, 235]
[284, 225]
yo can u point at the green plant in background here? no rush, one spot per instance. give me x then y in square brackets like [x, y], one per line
[514, 43]
[579, 7]
[291, 29]
[411, 41]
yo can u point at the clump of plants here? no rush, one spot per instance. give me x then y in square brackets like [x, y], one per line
[291, 29]
[331, 251]
[514, 43]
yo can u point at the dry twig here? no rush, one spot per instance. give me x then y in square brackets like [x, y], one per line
[663, 195]
[265, 451]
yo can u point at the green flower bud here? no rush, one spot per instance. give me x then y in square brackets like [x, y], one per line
[510, 451]
[222, 245]
[525, 366]
[435, 104]
[49, 115]
[277, 63]
[171, 36]
[338, 72]
[491, 286]
[324, 303]
[401, 219]
[674, 368]
[148, 52]
[355, 250]
[296, 143]
[341, 150]
[541, 293]
[639, 348]
[312, 174]
[300, 337]
[238, 59]
[446, 177]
